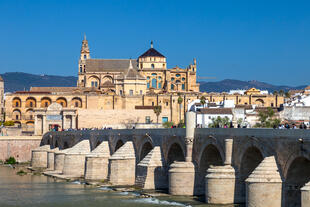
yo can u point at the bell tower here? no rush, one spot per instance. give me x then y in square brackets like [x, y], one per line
[84, 55]
[82, 62]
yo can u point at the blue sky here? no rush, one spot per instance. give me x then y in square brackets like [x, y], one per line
[246, 40]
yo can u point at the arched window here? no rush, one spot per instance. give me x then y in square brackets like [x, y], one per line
[153, 66]
[148, 85]
[177, 75]
[183, 86]
[148, 78]
[154, 74]
[154, 83]
[85, 56]
[159, 85]
[172, 87]
[183, 79]
[172, 79]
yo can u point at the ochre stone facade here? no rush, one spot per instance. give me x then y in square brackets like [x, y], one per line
[119, 93]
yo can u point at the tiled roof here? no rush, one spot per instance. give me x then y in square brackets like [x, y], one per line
[216, 111]
[307, 88]
[109, 65]
[133, 74]
[151, 53]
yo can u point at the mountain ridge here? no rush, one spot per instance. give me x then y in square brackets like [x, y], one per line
[18, 81]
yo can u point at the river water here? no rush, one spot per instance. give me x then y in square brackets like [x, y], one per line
[42, 191]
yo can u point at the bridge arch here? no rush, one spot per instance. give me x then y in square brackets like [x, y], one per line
[296, 174]
[145, 148]
[118, 145]
[210, 155]
[175, 153]
[251, 158]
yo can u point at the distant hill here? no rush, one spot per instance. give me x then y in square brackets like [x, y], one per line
[17, 81]
[229, 84]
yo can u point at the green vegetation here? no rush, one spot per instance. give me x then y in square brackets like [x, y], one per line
[21, 172]
[10, 160]
[180, 100]
[168, 124]
[7, 123]
[157, 111]
[181, 124]
[219, 122]
[203, 100]
[266, 119]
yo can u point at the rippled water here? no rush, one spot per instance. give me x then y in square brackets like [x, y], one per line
[39, 190]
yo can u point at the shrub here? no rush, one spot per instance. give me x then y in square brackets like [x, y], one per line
[168, 124]
[21, 172]
[10, 160]
[8, 123]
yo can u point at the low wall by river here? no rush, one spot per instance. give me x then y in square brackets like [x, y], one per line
[18, 147]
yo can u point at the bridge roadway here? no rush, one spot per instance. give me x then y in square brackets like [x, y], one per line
[150, 155]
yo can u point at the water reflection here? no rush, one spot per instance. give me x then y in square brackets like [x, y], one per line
[42, 191]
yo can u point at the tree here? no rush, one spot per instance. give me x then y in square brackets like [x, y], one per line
[157, 111]
[180, 100]
[266, 119]
[287, 94]
[281, 92]
[275, 93]
[203, 100]
[219, 122]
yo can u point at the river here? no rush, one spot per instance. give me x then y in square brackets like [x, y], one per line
[42, 191]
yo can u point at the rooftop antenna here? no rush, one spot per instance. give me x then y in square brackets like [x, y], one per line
[152, 44]
[84, 36]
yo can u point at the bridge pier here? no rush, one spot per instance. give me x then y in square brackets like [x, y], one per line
[39, 157]
[305, 195]
[51, 158]
[97, 162]
[151, 173]
[59, 160]
[182, 174]
[221, 180]
[264, 185]
[74, 163]
[123, 165]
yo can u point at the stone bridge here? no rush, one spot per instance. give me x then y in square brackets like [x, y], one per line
[259, 167]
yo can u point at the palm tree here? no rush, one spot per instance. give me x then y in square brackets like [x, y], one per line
[281, 92]
[203, 100]
[275, 93]
[180, 100]
[157, 111]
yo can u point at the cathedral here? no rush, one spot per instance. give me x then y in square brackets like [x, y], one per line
[118, 93]
[147, 74]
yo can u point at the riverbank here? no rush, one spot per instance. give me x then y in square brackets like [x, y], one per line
[129, 194]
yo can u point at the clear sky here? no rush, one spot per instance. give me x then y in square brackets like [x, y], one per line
[246, 40]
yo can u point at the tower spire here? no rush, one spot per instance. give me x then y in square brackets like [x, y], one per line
[152, 44]
[130, 64]
[84, 49]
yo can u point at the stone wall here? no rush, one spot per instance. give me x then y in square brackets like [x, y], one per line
[18, 147]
